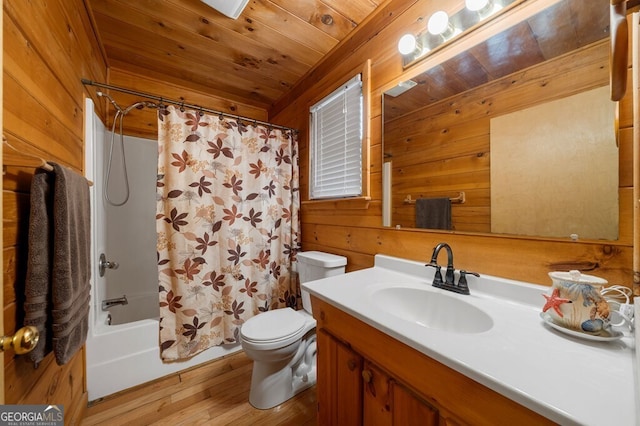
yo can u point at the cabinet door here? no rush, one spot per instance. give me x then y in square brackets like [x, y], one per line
[409, 410]
[388, 403]
[339, 385]
[377, 400]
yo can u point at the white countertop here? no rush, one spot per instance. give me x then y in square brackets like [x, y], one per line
[567, 379]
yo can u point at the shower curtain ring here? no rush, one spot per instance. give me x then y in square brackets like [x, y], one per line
[182, 106]
[201, 112]
[220, 117]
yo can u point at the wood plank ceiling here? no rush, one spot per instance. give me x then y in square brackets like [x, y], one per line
[254, 59]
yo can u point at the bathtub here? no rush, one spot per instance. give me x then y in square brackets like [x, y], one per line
[122, 348]
[126, 353]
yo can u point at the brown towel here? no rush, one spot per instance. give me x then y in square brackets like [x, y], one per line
[68, 262]
[433, 213]
[37, 296]
[70, 288]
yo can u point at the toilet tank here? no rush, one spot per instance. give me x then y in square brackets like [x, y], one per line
[314, 265]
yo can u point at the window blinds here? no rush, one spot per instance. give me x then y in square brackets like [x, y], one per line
[336, 143]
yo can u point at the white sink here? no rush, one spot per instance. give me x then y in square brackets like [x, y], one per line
[432, 309]
[496, 337]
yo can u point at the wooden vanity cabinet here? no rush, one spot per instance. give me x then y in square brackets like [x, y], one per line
[366, 377]
[354, 391]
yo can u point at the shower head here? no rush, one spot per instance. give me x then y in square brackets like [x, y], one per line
[116, 106]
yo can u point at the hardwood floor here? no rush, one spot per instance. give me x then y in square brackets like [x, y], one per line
[216, 393]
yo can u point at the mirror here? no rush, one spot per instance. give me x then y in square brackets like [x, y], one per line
[459, 133]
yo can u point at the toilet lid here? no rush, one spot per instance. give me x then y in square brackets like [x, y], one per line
[272, 325]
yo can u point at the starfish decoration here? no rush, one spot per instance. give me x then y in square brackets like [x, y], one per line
[554, 301]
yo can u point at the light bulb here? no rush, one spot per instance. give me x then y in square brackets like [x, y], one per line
[407, 44]
[476, 5]
[438, 23]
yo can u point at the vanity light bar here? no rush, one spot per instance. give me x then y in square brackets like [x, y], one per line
[441, 27]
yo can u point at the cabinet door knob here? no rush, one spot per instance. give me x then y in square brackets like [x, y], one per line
[367, 375]
[352, 364]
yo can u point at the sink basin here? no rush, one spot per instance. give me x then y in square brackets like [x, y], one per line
[432, 309]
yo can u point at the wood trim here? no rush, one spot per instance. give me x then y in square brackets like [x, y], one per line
[347, 203]
[366, 129]
[635, 54]
[1, 220]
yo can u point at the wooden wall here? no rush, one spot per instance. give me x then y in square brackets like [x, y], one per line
[355, 230]
[48, 47]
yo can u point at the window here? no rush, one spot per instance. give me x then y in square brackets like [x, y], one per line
[336, 142]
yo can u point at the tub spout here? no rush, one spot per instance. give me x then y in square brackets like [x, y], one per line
[108, 303]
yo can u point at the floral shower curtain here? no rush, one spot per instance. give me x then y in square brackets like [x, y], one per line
[227, 225]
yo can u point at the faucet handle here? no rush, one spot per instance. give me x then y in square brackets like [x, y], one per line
[437, 278]
[462, 281]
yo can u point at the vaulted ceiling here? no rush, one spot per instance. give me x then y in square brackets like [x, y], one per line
[254, 59]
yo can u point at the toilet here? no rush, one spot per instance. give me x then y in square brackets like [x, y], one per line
[282, 342]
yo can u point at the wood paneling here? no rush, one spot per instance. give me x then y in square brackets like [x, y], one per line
[48, 47]
[359, 235]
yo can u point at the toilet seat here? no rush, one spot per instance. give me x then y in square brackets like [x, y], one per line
[275, 329]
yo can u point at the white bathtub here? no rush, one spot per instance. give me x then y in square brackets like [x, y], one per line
[126, 355]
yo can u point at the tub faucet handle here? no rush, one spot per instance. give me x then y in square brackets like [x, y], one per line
[104, 264]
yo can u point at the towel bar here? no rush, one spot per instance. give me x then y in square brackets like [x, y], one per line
[12, 157]
[460, 199]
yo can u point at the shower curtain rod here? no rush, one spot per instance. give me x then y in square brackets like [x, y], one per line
[182, 104]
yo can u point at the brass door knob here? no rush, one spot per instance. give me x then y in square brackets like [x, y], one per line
[23, 341]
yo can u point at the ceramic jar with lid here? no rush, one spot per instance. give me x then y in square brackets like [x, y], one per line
[575, 302]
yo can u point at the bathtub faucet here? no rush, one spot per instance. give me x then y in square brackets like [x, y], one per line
[108, 303]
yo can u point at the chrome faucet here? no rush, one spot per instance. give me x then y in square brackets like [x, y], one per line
[108, 303]
[449, 277]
